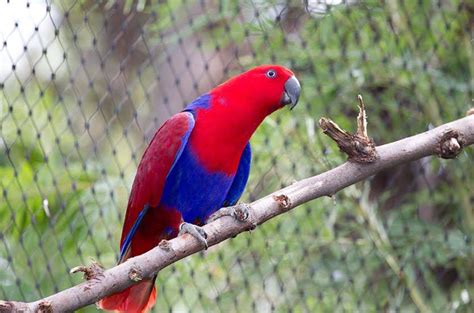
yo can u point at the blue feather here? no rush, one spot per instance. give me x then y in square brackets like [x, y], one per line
[194, 191]
[241, 177]
[201, 102]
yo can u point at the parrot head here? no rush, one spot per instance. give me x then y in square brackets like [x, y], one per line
[266, 87]
[276, 85]
[236, 108]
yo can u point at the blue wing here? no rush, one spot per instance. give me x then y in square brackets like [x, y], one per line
[241, 177]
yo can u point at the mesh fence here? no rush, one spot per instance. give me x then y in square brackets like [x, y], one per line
[85, 84]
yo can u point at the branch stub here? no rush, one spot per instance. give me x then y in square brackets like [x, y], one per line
[450, 144]
[283, 201]
[359, 147]
[90, 272]
[135, 274]
[45, 307]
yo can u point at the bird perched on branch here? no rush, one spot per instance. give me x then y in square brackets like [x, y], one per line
[196, 163]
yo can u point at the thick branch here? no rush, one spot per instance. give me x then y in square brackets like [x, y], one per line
[325, 184]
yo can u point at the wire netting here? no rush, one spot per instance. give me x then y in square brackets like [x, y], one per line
[85, 84]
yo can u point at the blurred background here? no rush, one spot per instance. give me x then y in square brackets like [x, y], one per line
[85, 84]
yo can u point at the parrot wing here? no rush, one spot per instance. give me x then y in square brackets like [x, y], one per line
[157, 162]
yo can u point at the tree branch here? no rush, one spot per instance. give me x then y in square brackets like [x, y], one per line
[447, 139]
[359, 147]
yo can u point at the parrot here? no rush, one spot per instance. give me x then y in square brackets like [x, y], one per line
[197, 162]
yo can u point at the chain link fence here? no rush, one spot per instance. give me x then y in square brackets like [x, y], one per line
[85, 84]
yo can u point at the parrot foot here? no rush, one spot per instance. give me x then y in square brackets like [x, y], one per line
[240, 212]
[195, 231]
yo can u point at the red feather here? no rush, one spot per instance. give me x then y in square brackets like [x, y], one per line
[147, 188]
[155, 166]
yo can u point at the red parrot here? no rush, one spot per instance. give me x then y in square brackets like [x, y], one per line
[197, 162]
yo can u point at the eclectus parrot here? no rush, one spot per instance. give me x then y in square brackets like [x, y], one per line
[197, 162]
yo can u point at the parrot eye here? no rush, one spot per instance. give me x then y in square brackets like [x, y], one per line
[271, 74]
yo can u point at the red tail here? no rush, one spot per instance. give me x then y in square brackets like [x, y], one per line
[138, 298]
[141, 297]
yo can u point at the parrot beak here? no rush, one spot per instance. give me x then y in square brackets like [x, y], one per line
[292, 92]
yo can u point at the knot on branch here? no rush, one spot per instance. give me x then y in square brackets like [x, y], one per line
[135, 274]
[6, 306]
[165, 245]
[93, 271]
[450, 144]
[44, 307]
[283, 201]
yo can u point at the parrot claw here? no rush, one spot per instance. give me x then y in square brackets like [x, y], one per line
[195, 231]
[240, 212]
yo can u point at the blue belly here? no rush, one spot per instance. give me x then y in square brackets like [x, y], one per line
[192, 190]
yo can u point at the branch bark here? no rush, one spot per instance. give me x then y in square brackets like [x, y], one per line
[359, 147]
[101, 284]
